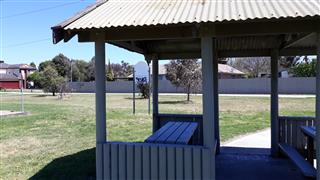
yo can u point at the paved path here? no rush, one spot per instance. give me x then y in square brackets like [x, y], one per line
[5, 113]
[261, 139]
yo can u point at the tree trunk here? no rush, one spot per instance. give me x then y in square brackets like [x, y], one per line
[188, 93]
[53, 93]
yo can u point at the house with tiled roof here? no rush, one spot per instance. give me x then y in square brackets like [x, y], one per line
[14, 76]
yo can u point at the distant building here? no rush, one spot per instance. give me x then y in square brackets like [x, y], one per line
[14, 76]
[227, 72]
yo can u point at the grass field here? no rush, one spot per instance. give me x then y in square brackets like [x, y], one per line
[57, 139]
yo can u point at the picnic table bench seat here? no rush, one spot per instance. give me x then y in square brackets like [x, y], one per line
[305, 166]
[309, 131]
[173, 133]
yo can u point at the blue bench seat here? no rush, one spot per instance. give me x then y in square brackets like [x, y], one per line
[173, 133]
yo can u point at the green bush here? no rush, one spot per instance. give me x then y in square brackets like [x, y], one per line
[144, 90]
[304, 69]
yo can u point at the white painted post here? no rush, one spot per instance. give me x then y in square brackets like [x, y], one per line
[274, 103]
[22, 99]
[318, 107]
[100, 79]
[155, 94]
[209, 75]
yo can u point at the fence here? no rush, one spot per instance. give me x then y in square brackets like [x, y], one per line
[290, 132]
[226, 86]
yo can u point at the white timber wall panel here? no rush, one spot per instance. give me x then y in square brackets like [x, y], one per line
[155, 161]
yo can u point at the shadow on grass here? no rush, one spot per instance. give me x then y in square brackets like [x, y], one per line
[137, 98]
[80, 165]
[42, 95]
[176, 102]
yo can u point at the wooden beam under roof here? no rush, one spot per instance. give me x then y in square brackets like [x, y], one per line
[236, 53]
[296, 40]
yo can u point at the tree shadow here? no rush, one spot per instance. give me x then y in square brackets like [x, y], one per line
[42, 95]
[137, 98]
[175, 102]
[80, 165]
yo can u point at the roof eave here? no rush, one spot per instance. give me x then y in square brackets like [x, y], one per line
[58, 31]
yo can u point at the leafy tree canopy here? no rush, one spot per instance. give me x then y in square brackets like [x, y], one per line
[185, 73]
[305, 69]
[51, 81]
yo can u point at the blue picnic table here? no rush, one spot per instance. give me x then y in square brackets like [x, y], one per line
[174, 133]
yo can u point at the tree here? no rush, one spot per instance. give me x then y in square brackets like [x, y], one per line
[144, 89]
[51, 81]
[62, 65]
[45, 64]
[127, 69]
[32, 64]
[116, 69]
[288, 61]
[90, 69]
[305, 69]
[109, 75]
[185, 73]
[81, 69]
[253, 67]
[35, 77]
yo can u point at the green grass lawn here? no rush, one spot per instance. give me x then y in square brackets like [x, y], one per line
[57, 139]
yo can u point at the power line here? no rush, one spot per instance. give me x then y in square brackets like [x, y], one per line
[26, 43]
[40, 10]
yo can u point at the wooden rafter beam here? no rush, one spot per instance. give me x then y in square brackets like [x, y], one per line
[296, 40]
[236, 53]
[128, 46]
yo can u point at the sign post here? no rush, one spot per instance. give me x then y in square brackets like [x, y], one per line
[22, 98]
[141, 75]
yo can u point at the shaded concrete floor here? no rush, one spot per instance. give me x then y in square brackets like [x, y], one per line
[235, 163]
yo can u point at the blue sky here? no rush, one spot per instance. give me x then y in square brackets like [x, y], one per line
[22, 22]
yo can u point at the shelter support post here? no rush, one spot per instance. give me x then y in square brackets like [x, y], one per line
[209, 74]
[274, 103]
[100, 80]
[155, 95]
[317, 120]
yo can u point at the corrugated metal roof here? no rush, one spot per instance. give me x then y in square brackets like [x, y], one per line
[120, 13]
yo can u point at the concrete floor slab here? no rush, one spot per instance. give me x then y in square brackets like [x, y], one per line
[261, 139]
[235, 163]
